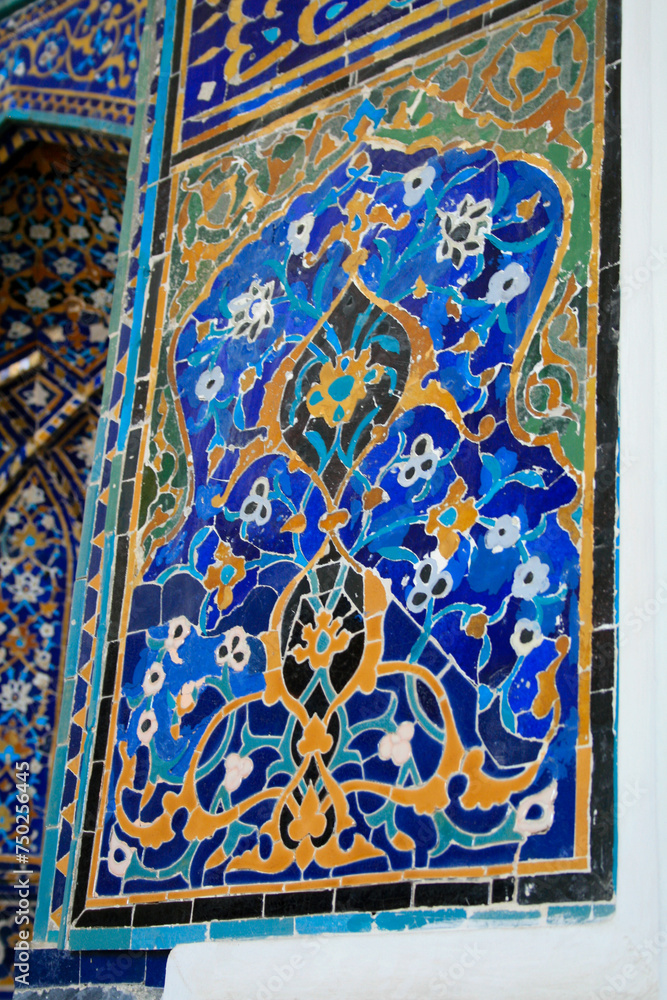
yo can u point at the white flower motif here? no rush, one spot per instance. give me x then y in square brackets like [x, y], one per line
[56, 334]
[37, 298]
[32, 495]
[252, 312]
[527, 635]
[37, 396]
[236, 769]
[47, 630]
[12, 517]
[209, 384]
[50, 52]
[78, 233]
[504, 534]
[422, 463]
[179, 630]
[3, 628]
[544, 801]
[397, 746]
[234, 651]
[431, 581]
[185, 699]
[40, 232]
[42, 681]
[3, 654]
[110, 260]
[416, 182]
[298, 233]
[463, 231]
[153, 679]
[146, 726]
[101, 298]
[26, 587]
[12, 261]
[530, 578]
[43, 659]
[99, 333]
[49, 524]
[256, 507]
[65, 265]
[119, 856]
[15, 696]
[85, 451]
[108, 224]
[507, 284]
[18, 329]
[6, 224]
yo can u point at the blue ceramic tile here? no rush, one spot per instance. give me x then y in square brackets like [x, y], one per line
[50, 967]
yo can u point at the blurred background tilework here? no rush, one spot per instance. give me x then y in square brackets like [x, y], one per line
[61, 203]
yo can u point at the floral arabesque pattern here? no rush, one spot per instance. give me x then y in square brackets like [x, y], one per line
[39, 537]
[406, 677]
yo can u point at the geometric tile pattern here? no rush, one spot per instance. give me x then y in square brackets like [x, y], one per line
[60, 211]
[61, 201]
[39, 538]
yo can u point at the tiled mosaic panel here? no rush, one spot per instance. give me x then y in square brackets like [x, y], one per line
[358, 648]
[60, 210]
[73, 59]
[245, 62]
[40, 527]
[60, 213]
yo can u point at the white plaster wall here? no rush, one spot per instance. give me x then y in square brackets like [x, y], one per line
[620, 957]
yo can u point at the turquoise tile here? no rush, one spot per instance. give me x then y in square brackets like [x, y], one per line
[506, 915]
[568, 914]
[167, 937]
[119, 288]
[274, 927]
[41, 930]
[54, 118]
[87, 531]
[359, 922]
[400, 921]
[451, 915]
[76, 622]
[602, 910]
[53, 808]
[62, 737]
[331, 923]
[99, 938]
